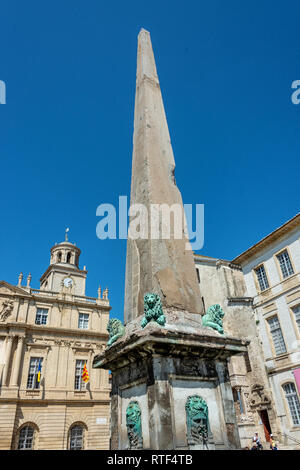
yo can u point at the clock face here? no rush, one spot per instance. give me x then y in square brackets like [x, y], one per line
[68, 282]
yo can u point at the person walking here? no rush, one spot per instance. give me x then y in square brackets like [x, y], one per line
[256, 442]
[273, 445]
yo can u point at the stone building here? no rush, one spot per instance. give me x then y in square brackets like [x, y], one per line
[271, 271]
[222, 282]
[56, 329]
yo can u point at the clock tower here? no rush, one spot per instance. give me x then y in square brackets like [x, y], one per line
[64, 275]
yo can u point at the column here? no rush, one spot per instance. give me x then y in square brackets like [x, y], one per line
[228, 406]
[17, 362]
[240, 400]
[9, 341]
[159, 403]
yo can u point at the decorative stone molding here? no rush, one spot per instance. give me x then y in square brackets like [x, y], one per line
[37, 345]
[105, 294]
[258, 398]
[6, 309]
[246, 419]
[240, 300]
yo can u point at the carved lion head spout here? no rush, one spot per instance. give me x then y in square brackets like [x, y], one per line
[153, 309]
[196, 408]
[134, 425]
[197, 420]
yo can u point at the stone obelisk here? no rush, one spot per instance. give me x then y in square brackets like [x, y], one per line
[170, 380]
[164, 266]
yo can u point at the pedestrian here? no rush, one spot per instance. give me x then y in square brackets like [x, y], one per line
[273, 445]
[256, 441]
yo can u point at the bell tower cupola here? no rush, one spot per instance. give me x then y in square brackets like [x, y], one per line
[64, 274]
[65, 253]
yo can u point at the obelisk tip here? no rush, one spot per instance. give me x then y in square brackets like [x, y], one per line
[145, 58]
[143, 30]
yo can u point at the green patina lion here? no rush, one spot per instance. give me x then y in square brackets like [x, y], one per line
[213, 318]
[134, 425]
[153, 310]
[197, 420]
[115, 329]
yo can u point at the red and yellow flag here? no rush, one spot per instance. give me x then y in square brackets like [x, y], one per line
[85, 374]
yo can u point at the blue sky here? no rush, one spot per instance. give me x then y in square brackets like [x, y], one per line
[225, 70]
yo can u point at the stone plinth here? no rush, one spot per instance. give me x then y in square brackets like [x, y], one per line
[160, 367]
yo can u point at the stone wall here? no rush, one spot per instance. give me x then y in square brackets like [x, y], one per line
[223, 283]
[52, 423]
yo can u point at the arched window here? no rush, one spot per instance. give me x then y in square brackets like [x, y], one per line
[59, 257]
[76, 437]
[293, 401]
[26, 436]
[69, 254]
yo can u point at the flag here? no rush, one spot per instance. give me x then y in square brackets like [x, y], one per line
[39, 372]
[296, 373]
[85, 374]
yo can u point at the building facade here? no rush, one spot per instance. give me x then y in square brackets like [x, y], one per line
[222, 282]
[271, 270]
[47, 336]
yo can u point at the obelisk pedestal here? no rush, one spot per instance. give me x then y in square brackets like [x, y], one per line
[160, 367]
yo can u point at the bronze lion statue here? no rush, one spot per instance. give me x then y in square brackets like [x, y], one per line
[153, 310]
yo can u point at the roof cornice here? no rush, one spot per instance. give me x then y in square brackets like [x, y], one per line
[15, 289]
[287, 227]
[28, 327]
[64, 269]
